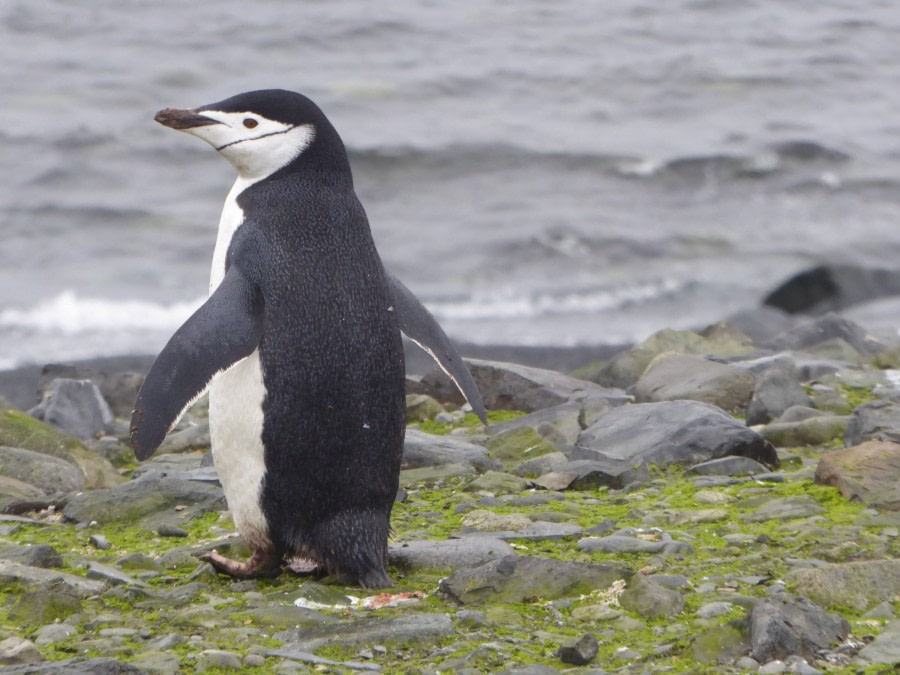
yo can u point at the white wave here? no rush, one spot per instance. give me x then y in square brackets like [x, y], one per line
[513, 304]
[69, 314]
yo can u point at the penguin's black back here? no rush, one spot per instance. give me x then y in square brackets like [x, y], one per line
[332, 365]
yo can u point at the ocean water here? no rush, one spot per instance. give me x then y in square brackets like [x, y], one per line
[567, 173]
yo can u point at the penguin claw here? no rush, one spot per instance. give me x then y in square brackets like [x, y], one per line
[303, 566]
[260, 565]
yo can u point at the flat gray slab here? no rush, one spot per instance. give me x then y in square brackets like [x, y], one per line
[449, 554]
[11, 572]
[402, 629]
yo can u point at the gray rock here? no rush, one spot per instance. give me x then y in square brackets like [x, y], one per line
[298, 654]
[483, 520]
[75, 407]
[714, 609]
[216, 659]
[824, 329]
[858, 585]
[773, 668]
[447, 555]
[158, 663]
[777, 390]
[562, 424]
[43, 604]
[883, 610]
[514, 578]
[12, 572]
[54, 477]
[54, 632]
[589, 470]
[869, 473]
[623, 544]
[811, 431]
[649, 599]
[727, 466]
[884, 649]
[98, 666]
[496, 482]
[168, 466]
[543, 531]
[510, 386]
[16, 650]
[782, 625]
[192, 437]
[625, 368]
[148, 502]
[672, 432]
[434, 474]
[798, 413]
[39, 555]
[785, 508]
[683, 376]
[581, 652]
[422, 450]
[555, 461]
[412, 628]
[110, 574]
[875, 420]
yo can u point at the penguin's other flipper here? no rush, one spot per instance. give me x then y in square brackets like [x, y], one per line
[223, 331]
[420, 326]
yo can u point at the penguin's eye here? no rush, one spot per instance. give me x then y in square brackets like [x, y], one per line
[250, 123]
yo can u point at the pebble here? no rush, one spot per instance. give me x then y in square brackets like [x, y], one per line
[714, 609]
[773, 668]
[167, 530]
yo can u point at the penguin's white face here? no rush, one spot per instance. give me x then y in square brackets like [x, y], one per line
[256, 146]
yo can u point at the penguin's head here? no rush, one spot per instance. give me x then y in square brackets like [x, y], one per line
[261, 132]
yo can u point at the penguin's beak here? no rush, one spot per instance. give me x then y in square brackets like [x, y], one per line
[183, 119]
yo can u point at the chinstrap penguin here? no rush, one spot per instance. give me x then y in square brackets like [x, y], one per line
[299, 345]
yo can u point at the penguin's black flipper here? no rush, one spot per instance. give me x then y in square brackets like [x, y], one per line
[418, 324]
[225, 329]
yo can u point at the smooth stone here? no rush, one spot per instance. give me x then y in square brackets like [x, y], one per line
[884, 649]
[158, 663]
[12, 572]
[54, 632]
[404, 629]
[798, 413]
[421, 407]
[52, 476]
[496, 482]
[544, 531]
[881, 611]
[147, 502]
[672, 432]
[785, 508]
[488, 521]
[539, 466]
[581, 652]
[16, 650]
[446, 555]
[19, 430]
[434, 474]
[772, 668]
[625, 368]
[623, 544]
[712, 497]
[827, 328]
[649, 599]
[714, 609]
[168, 530]
[216, 659]
[39, 555]
[518, 444]
[858, 585]
[75, 407]
[510, 386]
[777, 389]
[811, 431]
[727, 466]
[782, 625]
[514, 578]
[717, 644]
[111, 574]
[423, 450]
[288, 616]
[874, 421]
[671, 377]
[595, 613]
[869, 473]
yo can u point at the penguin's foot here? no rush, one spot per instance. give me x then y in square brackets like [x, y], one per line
[261, 564]
[303, 566]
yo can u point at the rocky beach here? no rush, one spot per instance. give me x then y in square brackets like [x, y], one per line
[716, 501]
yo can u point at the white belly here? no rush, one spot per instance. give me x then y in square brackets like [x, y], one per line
[235, 427]
[235, 409]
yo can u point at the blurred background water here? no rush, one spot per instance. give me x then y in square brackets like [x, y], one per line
[567, 173]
